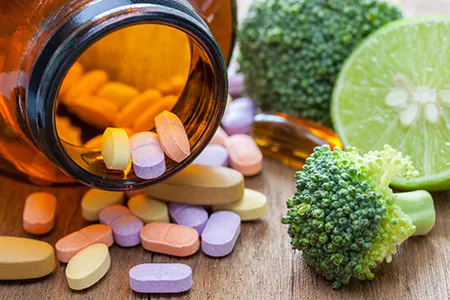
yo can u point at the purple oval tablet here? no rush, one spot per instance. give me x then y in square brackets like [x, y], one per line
[147, 155]
[220, 233]
[125, 226]
[213, 155]
[194, 216]
[160, 278]
[126, 230]
[239, 116]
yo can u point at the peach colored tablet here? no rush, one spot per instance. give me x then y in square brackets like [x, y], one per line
[73, 243]
[244, 154]
[39, 213]
[171, 239]
[172, 136]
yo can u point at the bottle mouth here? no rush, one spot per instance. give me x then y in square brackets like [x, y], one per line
[200, 105]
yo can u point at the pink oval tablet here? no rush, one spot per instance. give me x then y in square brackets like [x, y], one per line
[219, 137]
[125, 226]
[160, 278]
[213, 155]
[147, 155]
[220, 233]
[244, 154]
[172, 136]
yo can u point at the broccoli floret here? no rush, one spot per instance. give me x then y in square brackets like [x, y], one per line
[344, 217]
[292, 50]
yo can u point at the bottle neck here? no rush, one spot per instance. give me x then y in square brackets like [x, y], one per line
[200, 106]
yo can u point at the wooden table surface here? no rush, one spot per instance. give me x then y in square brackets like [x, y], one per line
[262, 266]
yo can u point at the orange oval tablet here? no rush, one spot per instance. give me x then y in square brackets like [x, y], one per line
[146, 120]
[73, 243]
[244, 154]
[39, 213]
[73, 75]
[87, 84]
[171, 239]
[95, 111]
[128, 114]
[172, 136]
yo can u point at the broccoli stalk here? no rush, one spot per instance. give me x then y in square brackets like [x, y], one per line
[345, 218]
[418, 205]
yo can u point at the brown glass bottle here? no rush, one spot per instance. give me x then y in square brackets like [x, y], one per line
[138, 42]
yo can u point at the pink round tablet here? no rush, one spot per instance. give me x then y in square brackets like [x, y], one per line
[147, 154]
[244, 154]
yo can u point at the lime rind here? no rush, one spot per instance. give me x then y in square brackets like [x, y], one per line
[430, 158]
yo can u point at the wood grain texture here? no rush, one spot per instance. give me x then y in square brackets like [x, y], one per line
[262, 266]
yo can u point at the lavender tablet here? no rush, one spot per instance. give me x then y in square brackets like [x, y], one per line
[126, 230]
[213, 155]
[125, 226]
[220, 233]
[239, 116]
[194, 216]
[147, 154]
[160, 278]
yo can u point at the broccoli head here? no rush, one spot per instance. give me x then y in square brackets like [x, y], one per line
[292, 50]
[344, 217]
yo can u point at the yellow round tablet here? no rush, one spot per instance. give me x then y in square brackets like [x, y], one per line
[116, 148]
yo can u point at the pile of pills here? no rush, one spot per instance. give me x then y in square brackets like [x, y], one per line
[101, 103]
[231, 145]
[201, 207]
[145, 150]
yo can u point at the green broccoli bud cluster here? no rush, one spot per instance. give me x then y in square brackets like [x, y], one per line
[292, 50]
[344, 217]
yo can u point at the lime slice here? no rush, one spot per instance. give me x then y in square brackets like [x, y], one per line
[395, 89]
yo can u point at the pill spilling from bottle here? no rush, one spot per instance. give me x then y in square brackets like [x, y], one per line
[199, 209]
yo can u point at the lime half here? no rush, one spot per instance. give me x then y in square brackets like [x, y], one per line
[395, 89]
